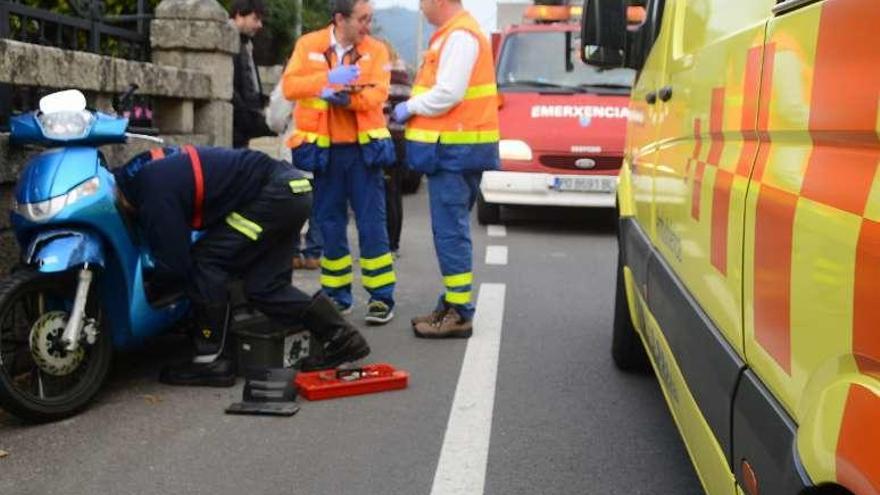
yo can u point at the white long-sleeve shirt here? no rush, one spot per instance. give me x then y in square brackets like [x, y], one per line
[457, 61]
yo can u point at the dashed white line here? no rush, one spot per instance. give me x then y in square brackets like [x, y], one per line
[496, 231]
[463, 458]
[496, 255]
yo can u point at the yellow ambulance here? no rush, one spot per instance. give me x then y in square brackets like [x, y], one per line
[749, 266]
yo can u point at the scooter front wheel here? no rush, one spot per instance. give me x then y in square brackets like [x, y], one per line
[39, 379]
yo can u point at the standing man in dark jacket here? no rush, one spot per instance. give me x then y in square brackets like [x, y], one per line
[400, 91]
[248, 121]
[249, 208]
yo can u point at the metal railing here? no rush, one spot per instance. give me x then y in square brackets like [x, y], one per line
[123, 36]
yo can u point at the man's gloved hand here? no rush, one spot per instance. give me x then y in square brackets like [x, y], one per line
[401, 113]
[344, 74]
[333, 97]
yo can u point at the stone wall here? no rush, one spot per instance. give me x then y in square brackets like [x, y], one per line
[189, 82]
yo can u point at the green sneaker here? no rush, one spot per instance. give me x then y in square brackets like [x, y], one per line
[379, 313]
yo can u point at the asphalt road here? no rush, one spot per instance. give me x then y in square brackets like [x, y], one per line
[543, 410]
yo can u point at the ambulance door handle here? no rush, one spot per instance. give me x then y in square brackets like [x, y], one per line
[651, 97]
[665, 93]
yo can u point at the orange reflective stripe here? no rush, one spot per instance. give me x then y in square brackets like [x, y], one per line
[721, 219]
[774, 236]
[199, 180]
[716, 127]
[697, 193]
[157, 153]
[866, 311]
[856, 462]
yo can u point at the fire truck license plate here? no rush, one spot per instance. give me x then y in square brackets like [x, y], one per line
[584, 184]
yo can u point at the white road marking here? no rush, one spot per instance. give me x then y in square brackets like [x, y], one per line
[462, 466]
[496, 255]
[497, 231]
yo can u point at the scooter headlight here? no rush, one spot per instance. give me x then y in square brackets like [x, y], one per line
[65, 125]
[44, 210]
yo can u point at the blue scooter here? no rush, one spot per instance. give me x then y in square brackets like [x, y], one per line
[78, 293]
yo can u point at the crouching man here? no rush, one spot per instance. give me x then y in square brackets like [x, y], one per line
[250, 209]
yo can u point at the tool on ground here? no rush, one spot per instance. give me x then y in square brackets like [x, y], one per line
[334, 383]
[268, 392]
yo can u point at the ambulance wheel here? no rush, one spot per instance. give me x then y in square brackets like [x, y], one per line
[39, 380]
[487, 213]
[626, 346]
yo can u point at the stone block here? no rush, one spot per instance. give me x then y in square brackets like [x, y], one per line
[194, 35]
[12, 160]
[173, 115]
[119, 154]
[104, 103]
[217, 66]
[215, 118]
[7, 193]
[269, 76]
[161, 80]
[9, 253]
[32, 65]
[208, 10]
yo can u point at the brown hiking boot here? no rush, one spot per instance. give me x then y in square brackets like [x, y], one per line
[450, 326]
[312, 263]
[298, 263]
[429, 318]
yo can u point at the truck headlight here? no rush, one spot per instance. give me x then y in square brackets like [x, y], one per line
[44, 210]
[514, 149]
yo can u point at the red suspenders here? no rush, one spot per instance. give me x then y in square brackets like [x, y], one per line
[199, 199]
[198, 179]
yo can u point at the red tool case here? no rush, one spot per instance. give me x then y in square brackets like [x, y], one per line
[331, 384]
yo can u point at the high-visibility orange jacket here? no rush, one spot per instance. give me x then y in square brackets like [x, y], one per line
[466, 137]
[319, 124]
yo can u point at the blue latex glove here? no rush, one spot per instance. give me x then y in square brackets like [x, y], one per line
[401, 113]
[344, 74]
[333, 97]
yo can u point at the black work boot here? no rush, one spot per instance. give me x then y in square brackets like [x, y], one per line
[342, 342]
[209, 367]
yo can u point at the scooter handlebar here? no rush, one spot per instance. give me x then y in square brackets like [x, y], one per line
[144, 137]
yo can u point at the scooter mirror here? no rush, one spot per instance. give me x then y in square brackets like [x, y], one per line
[71, 100]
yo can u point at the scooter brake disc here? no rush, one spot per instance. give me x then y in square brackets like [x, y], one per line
[46, 347]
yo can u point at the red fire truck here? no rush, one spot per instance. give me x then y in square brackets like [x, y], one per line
[562, 122]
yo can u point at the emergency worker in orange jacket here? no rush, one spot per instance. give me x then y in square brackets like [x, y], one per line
[452, 136]
[339, 77]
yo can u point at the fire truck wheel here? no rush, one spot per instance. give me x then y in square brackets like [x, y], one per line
[487, 213]
[626, 346]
